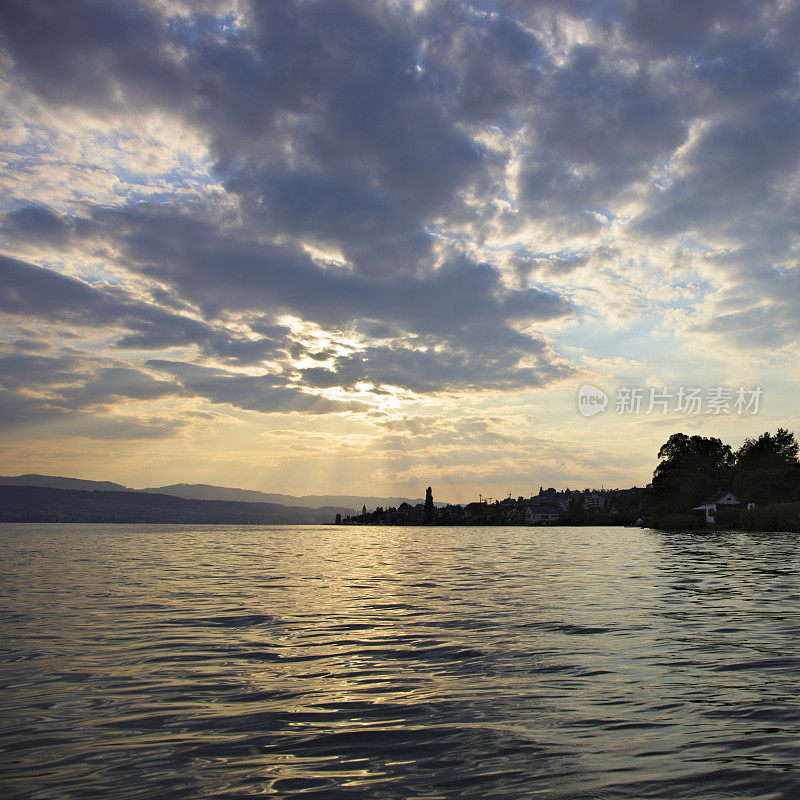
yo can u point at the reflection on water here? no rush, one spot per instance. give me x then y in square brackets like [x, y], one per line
[321, 662]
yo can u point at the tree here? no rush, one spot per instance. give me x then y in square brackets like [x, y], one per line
[767, 469]
[430, 509]
[576, 513]
[691, 469]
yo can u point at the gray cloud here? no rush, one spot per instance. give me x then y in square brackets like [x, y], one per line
[264, 393]
[447, 368]
[19, 412]
[676, 27]
[731, 173]
[31, 291]
[80, 393]
[462, 307]
[38, 224]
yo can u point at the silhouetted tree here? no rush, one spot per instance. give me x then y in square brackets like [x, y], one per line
[692, 468]
[430, 509]
[767, 469]
[628, 505]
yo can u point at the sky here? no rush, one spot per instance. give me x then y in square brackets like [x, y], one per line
[366, 247]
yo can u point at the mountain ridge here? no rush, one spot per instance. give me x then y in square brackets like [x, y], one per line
[59, 482]
[45, 504]
[205, 491]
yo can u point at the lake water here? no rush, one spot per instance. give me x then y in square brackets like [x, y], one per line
[334, 662]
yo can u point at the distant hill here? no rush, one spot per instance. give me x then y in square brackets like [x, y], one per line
[55, 482]
[202, 491]
[332, 504]
[44, 504]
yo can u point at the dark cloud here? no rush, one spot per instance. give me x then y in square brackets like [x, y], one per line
[731, 173]
[445, 368]
[593, 111]
[36, 224]
[30, 344]
[81, 393]
[462, 305]
[748, 328]
[84, 53]
[30, 291]
[599, 128]
[225, 270]
[682, 27]
[264, 393]
[20, 412]
[487, 63]
[78, 381]
[374, 152]
[460, 310]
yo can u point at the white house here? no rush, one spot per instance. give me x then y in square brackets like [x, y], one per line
[541, 515]
[595, 502]
[709, 507]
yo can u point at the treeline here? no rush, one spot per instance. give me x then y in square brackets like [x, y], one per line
[549, 507]
[763, 474]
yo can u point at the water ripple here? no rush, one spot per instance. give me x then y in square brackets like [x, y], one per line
[325, 662]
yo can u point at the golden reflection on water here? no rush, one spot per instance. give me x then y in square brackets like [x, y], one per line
[464, 662]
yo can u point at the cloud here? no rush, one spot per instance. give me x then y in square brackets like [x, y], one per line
[263, 393]
[29, 291]
[675, 27]
[456, 311]
[37, 223]
[734, 170]
[82, 395]
[601, 126]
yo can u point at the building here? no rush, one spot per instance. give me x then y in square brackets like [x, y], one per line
[595, 502]
[477, 512]
[710, 506]
[541, 515]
